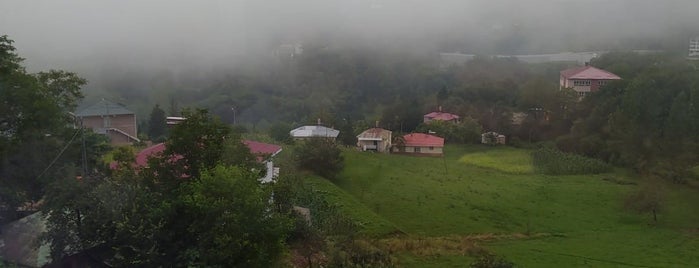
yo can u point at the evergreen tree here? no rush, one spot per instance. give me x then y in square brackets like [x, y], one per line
[157, 125]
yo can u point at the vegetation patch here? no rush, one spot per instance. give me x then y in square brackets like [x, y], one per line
[451, 245]
[330, 196]
[508, 160]
[619, 181]
[554, 162]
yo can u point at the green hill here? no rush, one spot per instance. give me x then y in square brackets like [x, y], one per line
[493, 194]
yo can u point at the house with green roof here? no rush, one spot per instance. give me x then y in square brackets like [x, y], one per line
[110, 119]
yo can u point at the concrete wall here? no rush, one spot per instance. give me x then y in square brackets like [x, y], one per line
[424, 150]
[124, 122]
[381, 147]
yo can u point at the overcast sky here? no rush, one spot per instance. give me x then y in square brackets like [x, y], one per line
[61, 34]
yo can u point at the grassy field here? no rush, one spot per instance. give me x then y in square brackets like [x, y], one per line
[539, 221]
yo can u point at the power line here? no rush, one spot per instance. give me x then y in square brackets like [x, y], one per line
[59, 154]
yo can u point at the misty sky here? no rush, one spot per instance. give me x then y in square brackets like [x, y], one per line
[75, 34]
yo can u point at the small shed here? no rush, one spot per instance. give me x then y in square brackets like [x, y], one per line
[492, 138]
[374, 139]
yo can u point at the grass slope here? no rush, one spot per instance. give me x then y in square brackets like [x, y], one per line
[370, 223]
[477, 189]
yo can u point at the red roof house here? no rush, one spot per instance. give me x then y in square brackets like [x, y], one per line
[263, 151]
[440, 116]
[585, 79]
[153, 151]
[419, 144]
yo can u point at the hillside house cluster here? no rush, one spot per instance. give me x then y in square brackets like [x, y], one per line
[381, 140]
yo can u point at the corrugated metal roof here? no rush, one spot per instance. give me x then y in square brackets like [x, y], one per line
[314, 131]
[373, 134]
[442, 116]
[103, 107]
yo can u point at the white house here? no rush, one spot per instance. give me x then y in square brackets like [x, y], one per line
[306, 132]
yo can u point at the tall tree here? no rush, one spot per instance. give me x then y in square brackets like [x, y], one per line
[35, 116]
[196, 142]
[157, 125]
[207, 210]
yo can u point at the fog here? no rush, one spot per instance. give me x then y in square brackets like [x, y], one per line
[93, 37]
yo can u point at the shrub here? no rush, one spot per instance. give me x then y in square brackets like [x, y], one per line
[320, 155]
[554, 162]
[491, 261]
[467, 131]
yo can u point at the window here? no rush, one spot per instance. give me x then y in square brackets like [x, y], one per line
[601, 82]
[582, 93]
[431, 148]
[581, 83]
[417, 149]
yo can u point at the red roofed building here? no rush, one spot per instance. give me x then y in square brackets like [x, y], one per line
[419, 144]
[440, 116]
[153, 151]
[585, 79]
[263, 151]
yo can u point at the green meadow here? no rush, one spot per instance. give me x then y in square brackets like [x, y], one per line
[490, 198]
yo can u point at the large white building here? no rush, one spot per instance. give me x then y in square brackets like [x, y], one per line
[694, 47]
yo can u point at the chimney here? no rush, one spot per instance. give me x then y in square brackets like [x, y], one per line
[319, 121]
[587, 63]
[377, 123]
[440, 108]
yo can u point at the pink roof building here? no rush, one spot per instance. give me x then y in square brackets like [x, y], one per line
[585, 79]
[263, 151]
[441, 116]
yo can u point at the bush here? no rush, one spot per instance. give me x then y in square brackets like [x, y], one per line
[320, 155]
[280, 132]
[491, 261]
[467, 131]
[554, 162]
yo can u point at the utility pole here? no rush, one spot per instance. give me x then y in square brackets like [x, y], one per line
[233, 109]
[84, 149]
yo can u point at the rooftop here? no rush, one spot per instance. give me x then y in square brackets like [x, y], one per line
[314, 131]
[422, 139]
[261, 148]
[256, 148]
[373, 134]
[103, 107]
[589, 72]
[442, 116]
